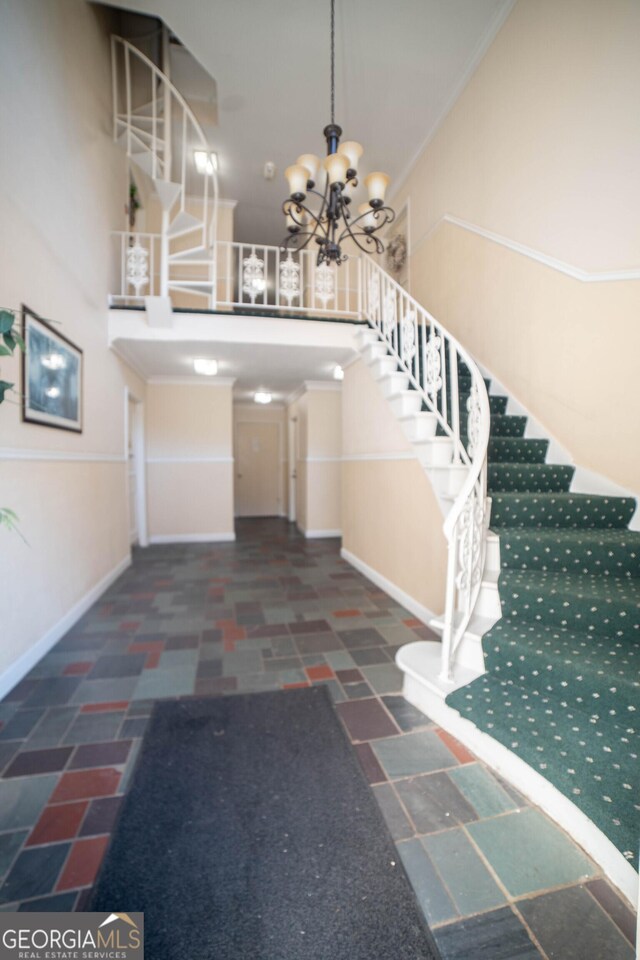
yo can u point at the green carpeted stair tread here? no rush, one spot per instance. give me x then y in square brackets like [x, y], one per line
[582, 601]
[517, 450]
[560, 510]
[595, 766]
[592, 673]
[605, 552]
[506, 425]
[498, 404]
[529, 477]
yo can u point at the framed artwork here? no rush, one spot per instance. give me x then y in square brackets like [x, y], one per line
[51, 376]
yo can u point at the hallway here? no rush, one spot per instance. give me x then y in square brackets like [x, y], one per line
[272, 611]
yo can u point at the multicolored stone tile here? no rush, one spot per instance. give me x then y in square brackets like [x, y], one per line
[270, 611]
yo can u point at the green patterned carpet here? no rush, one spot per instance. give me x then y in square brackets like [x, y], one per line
[562, 688]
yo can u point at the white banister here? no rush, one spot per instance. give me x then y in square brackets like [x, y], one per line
[432, 363]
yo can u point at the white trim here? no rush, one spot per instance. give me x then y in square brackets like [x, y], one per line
[529, 782]
[7, 453]
[395, 592]
[355, 457]
[192, 538]
[189, 459]
[322, 460]
[197, 380]
[295, 395]
[330, 386]
[21, 667]
[577, 273]
[318, 534]
[128, 362]
[478, 53]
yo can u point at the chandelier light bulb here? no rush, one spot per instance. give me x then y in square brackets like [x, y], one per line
[366, 211]
[336, 166]
[376, 184]
[261, 396]
[311, 163]
[297, 175]
[338, 372]
[352, 151]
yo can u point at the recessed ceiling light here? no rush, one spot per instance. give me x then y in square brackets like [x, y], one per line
[338, 372]
[205, 162]
[206, 367]
[262, 397]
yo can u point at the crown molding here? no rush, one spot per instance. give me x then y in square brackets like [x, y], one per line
[328, 386]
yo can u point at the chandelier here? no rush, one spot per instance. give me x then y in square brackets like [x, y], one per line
[333, 220]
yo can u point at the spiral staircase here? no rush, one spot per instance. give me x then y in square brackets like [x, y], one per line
[159, 131]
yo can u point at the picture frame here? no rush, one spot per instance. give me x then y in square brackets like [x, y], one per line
[52, 376]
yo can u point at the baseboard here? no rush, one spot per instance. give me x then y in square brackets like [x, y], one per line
[192, 538]
[397, 593]
[530, 783]
[21, 667]
[317, 534]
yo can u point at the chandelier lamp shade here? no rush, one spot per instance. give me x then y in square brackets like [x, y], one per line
[320, 201]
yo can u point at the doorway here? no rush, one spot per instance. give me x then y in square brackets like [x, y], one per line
[292, 465]
[136, 478]
[258, 469]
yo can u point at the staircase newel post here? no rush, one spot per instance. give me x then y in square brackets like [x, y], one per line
[449, 610]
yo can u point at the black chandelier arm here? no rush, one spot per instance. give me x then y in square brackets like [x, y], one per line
[367, 235]
[316, 221]
[292, 242]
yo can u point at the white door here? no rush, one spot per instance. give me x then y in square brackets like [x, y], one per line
[257, 466]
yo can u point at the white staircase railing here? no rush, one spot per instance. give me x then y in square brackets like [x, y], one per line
[436, 365]
[255, 278]
[159, 131]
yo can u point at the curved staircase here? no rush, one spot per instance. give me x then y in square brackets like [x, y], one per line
[562, 688]
[543, 680]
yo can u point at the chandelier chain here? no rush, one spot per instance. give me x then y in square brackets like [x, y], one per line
[333, 61]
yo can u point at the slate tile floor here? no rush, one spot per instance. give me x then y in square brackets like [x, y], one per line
[495, 878]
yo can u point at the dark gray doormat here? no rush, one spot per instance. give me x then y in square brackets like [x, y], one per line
[250, 833]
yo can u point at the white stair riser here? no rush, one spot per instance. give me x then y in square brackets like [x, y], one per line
[404, 403]
[421, 427]
[394, 383]
[488, 602]
[372, 353]
[367, 336]
[383, 366]
[448, 481]
[436, 452]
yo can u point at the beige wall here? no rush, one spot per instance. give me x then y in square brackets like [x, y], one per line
[391, 520]
[543, 149]
[318, 485]
[255, 413]
[324, 454]
[62, 188]
[189, 461]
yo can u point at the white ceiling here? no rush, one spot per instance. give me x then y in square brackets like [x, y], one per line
[400, 66]
[267, 367]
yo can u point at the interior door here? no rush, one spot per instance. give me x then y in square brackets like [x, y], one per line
[257, 466]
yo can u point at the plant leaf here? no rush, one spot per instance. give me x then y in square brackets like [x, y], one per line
[4, 386]
[7, 320]
[18, 339]
[9, 342]
[5, 352]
